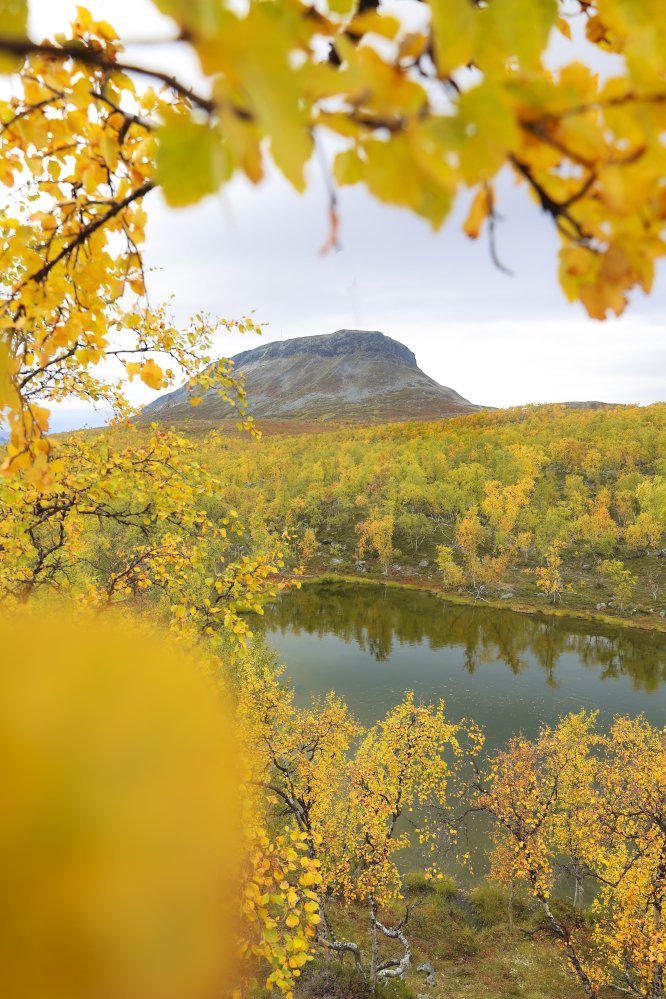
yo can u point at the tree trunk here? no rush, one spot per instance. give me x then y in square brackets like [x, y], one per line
[395, 969]
[658, 991]
[572, 956]
[326, 938]
[373, 944]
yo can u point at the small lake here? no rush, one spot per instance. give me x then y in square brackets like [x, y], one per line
[508, 671]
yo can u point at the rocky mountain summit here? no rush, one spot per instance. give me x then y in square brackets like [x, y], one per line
[350, 375]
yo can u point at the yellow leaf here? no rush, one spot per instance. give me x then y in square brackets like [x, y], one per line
[563, 27]
[479, 212]
[403, 171]
[348, 167]
[344, 7]
[372, 22]
[454, 25]
[487, 131]
[192, 160]
[152, 374]
[199, 16]
[255, 55]
[514, 29]
[14, 25]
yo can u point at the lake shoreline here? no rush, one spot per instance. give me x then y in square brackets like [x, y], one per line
[519, 607]
[510, 672]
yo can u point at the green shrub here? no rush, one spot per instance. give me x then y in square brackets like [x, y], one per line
[445, 888]
[591, 917]
[563, 910]
[416, 883]
[490, 904]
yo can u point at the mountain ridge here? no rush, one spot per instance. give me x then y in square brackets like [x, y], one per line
[331, 345]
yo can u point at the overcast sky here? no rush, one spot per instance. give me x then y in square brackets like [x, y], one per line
[497, 340]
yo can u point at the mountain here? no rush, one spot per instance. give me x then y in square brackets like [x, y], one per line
[350, 375]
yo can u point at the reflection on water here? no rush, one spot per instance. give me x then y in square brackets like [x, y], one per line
[507, 670]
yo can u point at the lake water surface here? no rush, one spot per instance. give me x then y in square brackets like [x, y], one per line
[507, 671]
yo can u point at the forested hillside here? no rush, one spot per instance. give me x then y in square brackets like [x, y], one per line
[546, 504]
[567, 506]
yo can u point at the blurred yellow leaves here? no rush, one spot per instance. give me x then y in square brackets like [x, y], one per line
[489, 36]
[200, 16]
[13, 24]
[119, 850]
[636, 28]
[152, 374]
[511, 31]
[148, 371]
[191, 160]
[454, 25]
[253, 55]
[383, 166]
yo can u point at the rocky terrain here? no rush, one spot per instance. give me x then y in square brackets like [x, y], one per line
[349, 375]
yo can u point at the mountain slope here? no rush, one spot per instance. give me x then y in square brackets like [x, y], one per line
[347, 375]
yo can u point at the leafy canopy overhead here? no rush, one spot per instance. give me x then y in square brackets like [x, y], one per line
[422, 100]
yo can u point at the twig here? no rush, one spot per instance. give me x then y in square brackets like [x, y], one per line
[86, 232]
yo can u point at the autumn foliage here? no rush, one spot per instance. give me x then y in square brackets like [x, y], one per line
[592, 804]
[138, 521]
[565, 506]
